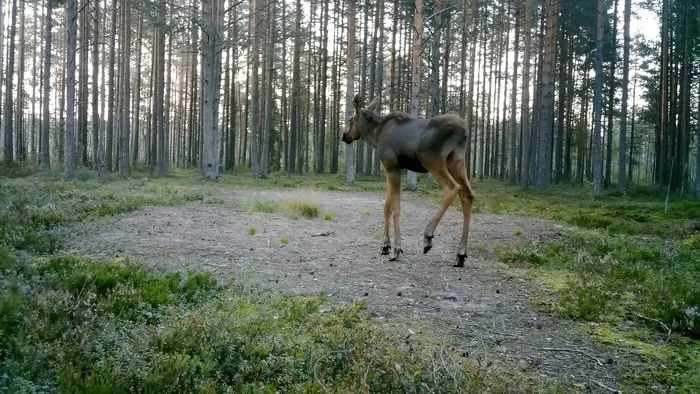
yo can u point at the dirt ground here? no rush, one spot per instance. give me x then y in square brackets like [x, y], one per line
[484, 308]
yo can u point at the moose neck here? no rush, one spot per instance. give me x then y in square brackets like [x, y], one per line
[369, 134]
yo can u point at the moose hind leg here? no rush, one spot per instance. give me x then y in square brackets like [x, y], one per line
[386, 242]
[450, 189]
[458, 171]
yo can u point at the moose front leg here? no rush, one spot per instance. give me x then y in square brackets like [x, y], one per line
[394, 183]
[386, 242]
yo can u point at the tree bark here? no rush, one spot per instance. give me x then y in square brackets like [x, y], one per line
[513, 99]
[294, 129]
[598, 103]
[547, 101]
[9, 140]
[349, 83]
[124, 162]
[211, 39]
[109, 148]
[525, 166]
[268, 88]
[97, 151]
[160, 92]
[45, 118]
[71, 46]
[415, 75]
[622, 160]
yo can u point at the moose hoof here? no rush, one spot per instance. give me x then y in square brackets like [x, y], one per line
[386, 250]
[460, 260]
[427, 244]
[395, 255]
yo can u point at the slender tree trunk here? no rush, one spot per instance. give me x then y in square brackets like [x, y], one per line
[71, 46]
[124, 162]
[45, 121]
[255, 86]
[160, 92]
[598, 103]
[213, 10]
[295, 124]
[349, 83]
[547, 101]
[525, 167]
[513, 98]
[435, 57]
[470, 91]
[137, 95]
[268, 88]
[9, 140]
[415, 75]
[97, 152]
[109, 148]
[697, 142]
[622, 161]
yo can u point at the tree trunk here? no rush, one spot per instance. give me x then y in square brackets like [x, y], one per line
[415, 75]
[525, 166]
[547, 101]
[124, 162]
[268, 89]
[137, 95]
[349, 84]
[160, 92]
[295, 125]
[71, 46]
[470, 91]
[598, 103]
[622, 161]
[213, 11]
[83, 85]
[513, 98]
[97, 151]
[435, 57]
[255, 88]
[9, 140]
[109, 148]
[45, 121]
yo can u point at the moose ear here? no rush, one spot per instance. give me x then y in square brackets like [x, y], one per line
[374, 104]
[357, 103]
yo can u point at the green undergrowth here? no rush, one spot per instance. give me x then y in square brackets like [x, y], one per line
[75, 325]
[79, 325]
[641, 293]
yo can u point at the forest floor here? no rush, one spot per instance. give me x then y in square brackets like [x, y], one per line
[493, 313]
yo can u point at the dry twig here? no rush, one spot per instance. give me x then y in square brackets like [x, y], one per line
[558, 349]
[601, 385]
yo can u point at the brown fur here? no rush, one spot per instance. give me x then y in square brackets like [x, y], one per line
[436, 145]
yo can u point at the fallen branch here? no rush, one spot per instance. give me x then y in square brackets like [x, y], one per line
[601, 385]
[668, 330]
[557, 349]
[327, 233]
